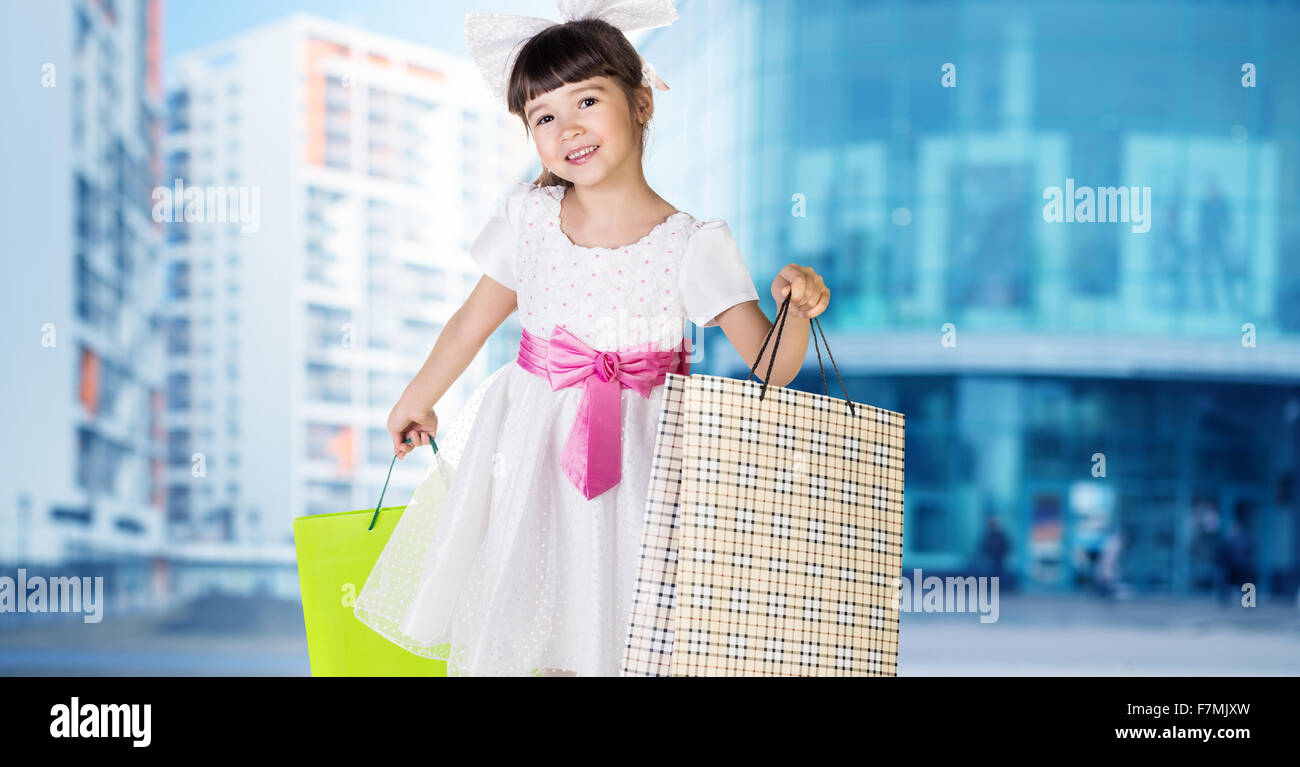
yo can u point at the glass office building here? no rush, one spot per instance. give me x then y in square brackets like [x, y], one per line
[1061, 238]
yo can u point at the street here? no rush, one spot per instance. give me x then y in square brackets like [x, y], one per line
[1033, 636]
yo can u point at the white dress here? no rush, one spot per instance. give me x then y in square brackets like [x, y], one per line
[516, 571]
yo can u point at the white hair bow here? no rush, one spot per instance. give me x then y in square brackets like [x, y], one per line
[494, 39]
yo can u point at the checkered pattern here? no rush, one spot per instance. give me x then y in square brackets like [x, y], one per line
[779, 524]
[649, 649]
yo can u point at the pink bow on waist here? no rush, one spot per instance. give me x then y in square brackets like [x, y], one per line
[593, 451]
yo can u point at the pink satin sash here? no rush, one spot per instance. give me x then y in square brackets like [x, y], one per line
[593, 453]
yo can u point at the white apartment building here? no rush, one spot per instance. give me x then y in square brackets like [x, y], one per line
[82, 473]
[365, 166]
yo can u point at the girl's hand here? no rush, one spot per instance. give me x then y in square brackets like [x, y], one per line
[408, 420]
[809, 295]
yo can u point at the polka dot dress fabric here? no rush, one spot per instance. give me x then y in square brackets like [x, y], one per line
[499, 565]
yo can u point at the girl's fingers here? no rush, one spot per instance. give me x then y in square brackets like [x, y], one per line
[815, 307]
[411, 441]
[791, 273]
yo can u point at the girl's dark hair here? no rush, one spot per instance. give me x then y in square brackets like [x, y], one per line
[570, 53]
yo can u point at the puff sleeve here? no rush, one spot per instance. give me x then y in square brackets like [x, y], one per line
[713, 276]
[496, 247]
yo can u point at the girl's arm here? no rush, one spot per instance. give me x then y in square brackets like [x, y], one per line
[460, 340]
[456, 346]
[746, 326]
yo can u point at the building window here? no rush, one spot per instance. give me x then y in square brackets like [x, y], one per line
[326, 326]
[178, 504]
[326, 497]
[178, 336]
[930, 524]
[178, 392]
[178, 280]
[98, 461]
[328, 383]
[379, 446]
[178, 447]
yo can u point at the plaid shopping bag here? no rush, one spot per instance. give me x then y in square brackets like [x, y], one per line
[772, 541]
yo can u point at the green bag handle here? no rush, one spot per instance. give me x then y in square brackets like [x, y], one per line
[409, 441]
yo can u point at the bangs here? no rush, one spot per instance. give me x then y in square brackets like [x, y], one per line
[561, 55]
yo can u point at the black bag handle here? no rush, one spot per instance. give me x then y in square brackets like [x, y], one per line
[778, 325]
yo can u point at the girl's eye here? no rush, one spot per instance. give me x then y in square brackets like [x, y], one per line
[543, 118]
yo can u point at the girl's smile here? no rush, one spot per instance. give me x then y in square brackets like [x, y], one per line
[583, 155]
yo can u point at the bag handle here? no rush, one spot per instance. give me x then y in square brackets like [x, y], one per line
[816, 328]
[409, 441]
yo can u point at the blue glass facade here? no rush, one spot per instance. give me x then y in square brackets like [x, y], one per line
[1137, 374]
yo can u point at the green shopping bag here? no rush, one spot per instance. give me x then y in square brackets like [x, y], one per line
[336, 553]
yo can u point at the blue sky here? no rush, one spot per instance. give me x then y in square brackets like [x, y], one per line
[439, 24]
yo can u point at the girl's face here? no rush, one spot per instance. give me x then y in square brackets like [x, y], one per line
[583, 115]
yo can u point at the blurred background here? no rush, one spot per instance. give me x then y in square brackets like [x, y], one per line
[1105, 414]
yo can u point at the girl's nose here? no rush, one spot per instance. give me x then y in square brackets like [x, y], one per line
[571, 130]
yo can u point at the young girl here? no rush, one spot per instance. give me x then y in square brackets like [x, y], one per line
[527, 565]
